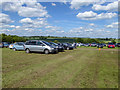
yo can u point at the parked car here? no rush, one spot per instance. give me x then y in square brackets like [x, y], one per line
[39, 46]
[67, 46]
[111, 45]
[74, 45]
[87, 45]
[11, 46]
[104, 45]
[59, 47]
[93, 44]
[1, 45]
[18, 46]
[100, 45]
[118, 44]
[5, 44]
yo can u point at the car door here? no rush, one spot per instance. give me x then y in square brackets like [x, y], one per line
[40, 46]
[33, 45]
[21, 47]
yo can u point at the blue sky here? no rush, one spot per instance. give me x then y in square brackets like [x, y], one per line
[71, 19]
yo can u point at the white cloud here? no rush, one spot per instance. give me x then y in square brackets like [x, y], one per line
[87, 14]
[17, 26]
[24, 8]
[32, 12]
[53, 4]
[113, 25]
[88, 30]
[76, 4]
[11, 6]
[90, 15]
[53, 28]
[34, 23]
[110, 6]
[92, 24]
[5, 19]
[26, 20]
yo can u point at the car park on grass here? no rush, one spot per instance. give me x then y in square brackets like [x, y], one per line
[39, 46]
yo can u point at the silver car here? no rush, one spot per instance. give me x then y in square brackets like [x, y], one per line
[39, 46]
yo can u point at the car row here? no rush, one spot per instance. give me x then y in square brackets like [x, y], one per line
[99, 45]
[40, 46]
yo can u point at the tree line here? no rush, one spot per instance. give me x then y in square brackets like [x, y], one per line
[15, 38]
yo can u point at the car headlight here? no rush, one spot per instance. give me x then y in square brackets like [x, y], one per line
[52, 48]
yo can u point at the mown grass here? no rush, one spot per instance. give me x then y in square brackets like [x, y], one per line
[78, 68]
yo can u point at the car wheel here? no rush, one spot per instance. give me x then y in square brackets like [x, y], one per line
[46, 51]
[27, 51]
[67, 48]
[15, 49]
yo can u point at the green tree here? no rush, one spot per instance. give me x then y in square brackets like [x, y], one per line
[113, 41]
[56, 41]
[80, 40]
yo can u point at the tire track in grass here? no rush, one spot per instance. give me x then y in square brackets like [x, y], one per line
[35, 75]
[85, 77]
[64, 83]
[60, 60]
[108, 70]
[20, 73]
[55, 81]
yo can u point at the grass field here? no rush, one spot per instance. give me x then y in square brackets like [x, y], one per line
[78, 68]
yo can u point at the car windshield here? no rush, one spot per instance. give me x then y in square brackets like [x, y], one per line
[65, 44]
[110, 43]
[69, 44]
[100, 44]
[5, 42]
[20, 43]
[46, 43]
[54, 43]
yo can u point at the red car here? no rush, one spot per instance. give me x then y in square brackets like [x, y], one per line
[111, 45]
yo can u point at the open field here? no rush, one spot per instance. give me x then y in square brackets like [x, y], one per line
[78, 68]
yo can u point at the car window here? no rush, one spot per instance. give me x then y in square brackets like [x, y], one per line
[27, 43]
[46, 43]
[39, 43]
[33, 43]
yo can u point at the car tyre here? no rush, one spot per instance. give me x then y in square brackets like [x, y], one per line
[67, 48]
[14, 49]
[46, 51]
[27, 51]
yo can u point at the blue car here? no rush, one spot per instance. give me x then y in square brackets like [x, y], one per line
[5, 44]
[18, 46]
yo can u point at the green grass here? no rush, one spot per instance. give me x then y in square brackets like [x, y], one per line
[78, 68]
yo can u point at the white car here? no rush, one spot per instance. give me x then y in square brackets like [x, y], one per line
[11, 46]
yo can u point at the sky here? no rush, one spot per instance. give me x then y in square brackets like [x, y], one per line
[71, 19]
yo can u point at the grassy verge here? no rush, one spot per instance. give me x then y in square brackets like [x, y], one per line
[78, 68]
